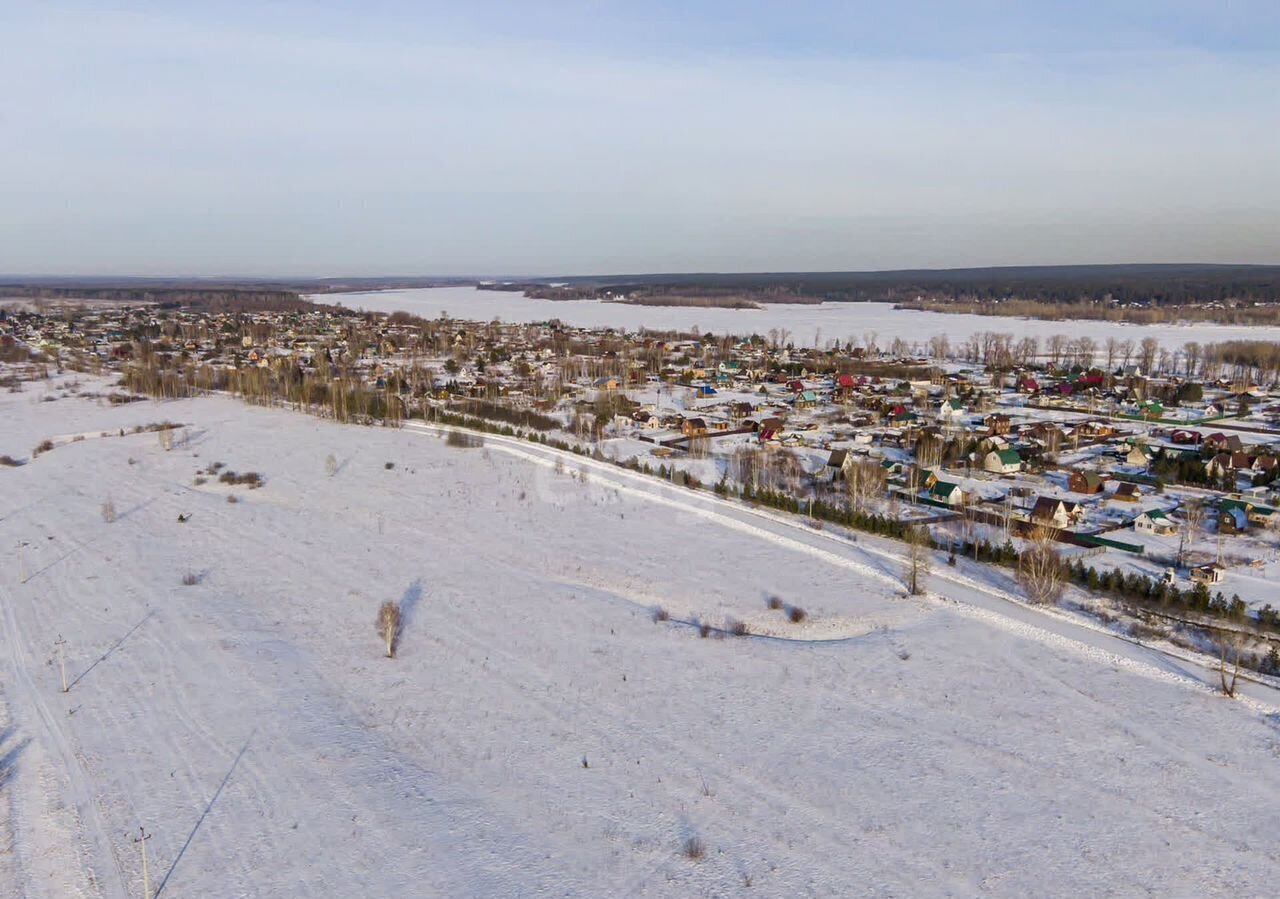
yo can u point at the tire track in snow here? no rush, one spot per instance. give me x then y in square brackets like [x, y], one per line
[106, 869]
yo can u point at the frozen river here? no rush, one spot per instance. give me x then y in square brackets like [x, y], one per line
[829, 321]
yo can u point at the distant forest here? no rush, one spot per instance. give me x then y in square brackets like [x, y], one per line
[207, 295]
[1144, 285]
[1230, 294]
[1242, 294]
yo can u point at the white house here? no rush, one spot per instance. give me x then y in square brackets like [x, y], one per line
[1154, 521]
[1003, 461]
[951, 410]
[1141, 455]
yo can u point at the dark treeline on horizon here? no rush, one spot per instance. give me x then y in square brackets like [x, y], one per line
[1158, 285]
[1112, 286]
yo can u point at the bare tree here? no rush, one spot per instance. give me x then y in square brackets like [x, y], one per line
[1113, 353]
[864, 480]
[330, 465]
[1126, 351]
[1041, 573]
[1087, 348]
[1147, 352]
[108, 510]
[388, 625]
[1191, 355]
[1056, 346]
[918, 560]
[939, 347]
[1229, 644]
[1192, 521]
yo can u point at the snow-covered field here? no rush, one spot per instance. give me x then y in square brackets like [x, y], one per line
[833, 321]
[540, 734]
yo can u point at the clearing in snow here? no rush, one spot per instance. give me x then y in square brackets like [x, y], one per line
[556, 720]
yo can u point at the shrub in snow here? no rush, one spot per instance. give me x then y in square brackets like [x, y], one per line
[388, 625]
[463, 440]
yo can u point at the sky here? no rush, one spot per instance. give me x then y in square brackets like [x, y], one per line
[415, 137]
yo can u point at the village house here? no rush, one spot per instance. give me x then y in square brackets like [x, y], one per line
[998, 424]
[838, 463]
[1058, 513]
[947, 492]
[1003, 461]
[1126, 492]
[693, 427]
[1154, 521]
[951, 410]
[1213, 573]
[1140, 455]
[1221, 442]
[1087, 482]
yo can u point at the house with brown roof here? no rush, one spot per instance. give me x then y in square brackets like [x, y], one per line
[1054, 512]
[1126, 492]
[1088, 482]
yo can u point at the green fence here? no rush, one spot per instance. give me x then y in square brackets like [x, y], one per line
[1094, 540]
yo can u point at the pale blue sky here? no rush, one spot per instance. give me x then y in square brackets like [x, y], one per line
[573, 137]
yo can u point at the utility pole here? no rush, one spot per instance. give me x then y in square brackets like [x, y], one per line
[141, 841]
[62, 660]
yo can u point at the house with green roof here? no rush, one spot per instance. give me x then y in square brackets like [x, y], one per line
[951, 409]
[1002, 461]
[1151, 409]
[1238, 514]
[946, 492]
[1155, 521]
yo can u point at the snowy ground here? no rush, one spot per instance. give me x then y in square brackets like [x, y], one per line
[540, 734]
[829, 321]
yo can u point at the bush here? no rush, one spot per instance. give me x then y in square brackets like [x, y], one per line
[694, 848]
[796, 614]
[232, 498]
[250, 478]
[774, 602]
[463, 440]
[737, 628]
[10, 462]
[190, 579]
[704, 630]
[42, 447]
[388, 465]
[660, 614]
[108, 510]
